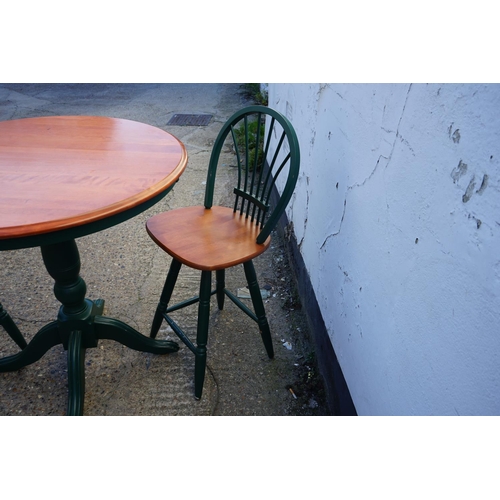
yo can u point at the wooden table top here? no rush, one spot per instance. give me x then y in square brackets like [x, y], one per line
[61, 172]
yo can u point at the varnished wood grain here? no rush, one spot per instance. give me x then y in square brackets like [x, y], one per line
[66, 171]
[206, 239]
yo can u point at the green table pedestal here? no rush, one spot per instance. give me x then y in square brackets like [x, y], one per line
[79, 325]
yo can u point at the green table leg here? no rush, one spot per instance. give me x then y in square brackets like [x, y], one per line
[11, 328]
[114, 329]
[76, 374]
[44, 340]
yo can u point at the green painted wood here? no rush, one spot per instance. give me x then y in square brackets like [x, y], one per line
[11, 328]
[180, 333]
[79, 324]
[257, 189]
[76, 374]
[46, 338]
[241, 305]
[220, 277]
[202, 333]
[114, 329]
[182, 305]
[253, 191]
[258, 304]
[166, 293]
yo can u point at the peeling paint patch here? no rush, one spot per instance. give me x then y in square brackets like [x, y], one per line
[478, 221]
[484, 184]
[455, 136]
[470, 190]
[459, 171]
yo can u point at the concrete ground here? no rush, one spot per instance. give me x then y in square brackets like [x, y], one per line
[124, 267]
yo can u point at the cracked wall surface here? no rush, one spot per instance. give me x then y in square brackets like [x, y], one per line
[397, 216]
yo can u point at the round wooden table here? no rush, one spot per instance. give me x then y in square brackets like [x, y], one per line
[63, 177]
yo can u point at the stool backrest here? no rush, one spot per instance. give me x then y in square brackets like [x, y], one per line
[260, 161]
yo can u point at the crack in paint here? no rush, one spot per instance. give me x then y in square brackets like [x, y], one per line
[306, 217]
[396, 138]
[370, 176]
[399, 124]
[340, 227]
[388, 158]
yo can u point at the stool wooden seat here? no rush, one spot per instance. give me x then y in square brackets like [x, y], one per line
[207, 239]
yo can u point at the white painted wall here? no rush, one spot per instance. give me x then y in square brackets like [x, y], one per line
[397, 217]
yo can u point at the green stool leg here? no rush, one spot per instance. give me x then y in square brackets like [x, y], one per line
[258, 305]
[220, 285]
[11, 328]
[173, 272]
[200, 362]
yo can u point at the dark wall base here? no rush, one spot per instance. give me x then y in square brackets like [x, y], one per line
[339, 398]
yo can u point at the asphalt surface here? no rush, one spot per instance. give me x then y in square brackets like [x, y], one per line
[124, 267]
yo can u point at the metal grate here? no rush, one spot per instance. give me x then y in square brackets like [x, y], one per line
[190, 120]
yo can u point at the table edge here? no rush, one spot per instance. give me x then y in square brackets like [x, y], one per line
[41, 228]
